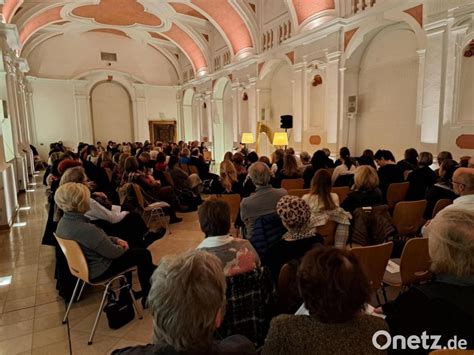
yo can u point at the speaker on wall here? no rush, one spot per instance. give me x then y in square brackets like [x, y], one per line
[286, 121]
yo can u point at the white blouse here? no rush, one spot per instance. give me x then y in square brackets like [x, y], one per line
[313, 201]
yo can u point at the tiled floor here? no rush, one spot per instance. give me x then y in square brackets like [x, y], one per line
[30, 310]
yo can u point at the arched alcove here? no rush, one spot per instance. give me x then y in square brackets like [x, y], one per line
[223, 122]
[111, 110]
[466, 87]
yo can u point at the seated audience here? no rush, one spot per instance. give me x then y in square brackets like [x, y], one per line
[442, 156]
[129, 226]
[185, 156]
[365, 191]
[237, 255]
[289, 171]
[305, 160]
[346, 168]
[295, 215]
[238, 160]
[410, 162]
[389, 172]
[198, 161]
[443, 306]
[329, 161]
[421, 178]
[318, 161]
[251, 158]
[367, 158]
[277, 161]
[105, 256]
[320, 195]
[186, 318]
[335, 290]
[228, 178]
[265, 199]
[463, 185]
[443, 189]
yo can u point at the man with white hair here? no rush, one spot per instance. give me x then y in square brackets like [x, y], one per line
[265, 199]
[463, 185]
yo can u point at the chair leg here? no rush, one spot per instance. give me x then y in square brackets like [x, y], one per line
[99, 313]
[138, 307]
[80, 292]
[71, 301]
[384, 293]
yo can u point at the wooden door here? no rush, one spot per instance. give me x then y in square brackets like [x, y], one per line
[163, 131]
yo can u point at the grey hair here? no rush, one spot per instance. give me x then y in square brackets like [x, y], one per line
[451, 242]
[186, 295]
[259, 173]
[75, 174]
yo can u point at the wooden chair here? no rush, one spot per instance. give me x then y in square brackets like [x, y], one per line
[408, 217]
[169, 179]
[298, 192]
[328, 232]
[207, 155]
[78, 267]
[444, 202]
[193, 170]
[292, 184]
[373, 260]
[397, 192]
[414, 264]
[288, 296]
[152, 210]
[234, 203]
[341, 192]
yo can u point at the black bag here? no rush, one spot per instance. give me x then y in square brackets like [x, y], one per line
[119, 310]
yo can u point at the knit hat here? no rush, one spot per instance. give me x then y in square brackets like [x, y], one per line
[294, 213]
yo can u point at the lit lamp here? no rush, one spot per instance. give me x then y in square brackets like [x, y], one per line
[247, 138]
[280, 139]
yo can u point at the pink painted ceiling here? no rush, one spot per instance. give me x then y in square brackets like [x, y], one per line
[186, 10]
[110, 31]
[187, 44]
[229, 20]
[9, 8]
[305, 8]
[118, 13]
[45, 18]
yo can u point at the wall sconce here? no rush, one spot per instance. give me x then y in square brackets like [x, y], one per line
[317, 80]
[245, 96]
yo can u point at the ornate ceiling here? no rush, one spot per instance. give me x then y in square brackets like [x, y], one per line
[184, 24]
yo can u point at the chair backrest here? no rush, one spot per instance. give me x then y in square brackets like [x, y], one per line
[234, 203]
[298, 192]
[328, 232]
[169, 179]
[292, 184]
[415, 261]
[288, 296]
[373, 260]
[207, 155]
[345, 180]
[342, 192]
[397, 192]
[408, 216]
[75, 258]
[193, 169]
[138, 194]
[440, 204]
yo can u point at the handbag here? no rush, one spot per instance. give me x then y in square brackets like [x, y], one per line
[119, 310]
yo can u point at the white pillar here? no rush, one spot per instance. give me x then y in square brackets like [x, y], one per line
[85, 131]
[299, 80]
[332, 97]
[236, 112]
[432, 84]
[252, 102]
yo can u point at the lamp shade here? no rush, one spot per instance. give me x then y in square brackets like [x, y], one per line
[247, 138]
[280, 138]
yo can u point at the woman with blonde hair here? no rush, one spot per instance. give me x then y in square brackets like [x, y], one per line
[228, 177]
[365, 191]
[290, 169]
[106, 256]
[320, 196]
[444, 306]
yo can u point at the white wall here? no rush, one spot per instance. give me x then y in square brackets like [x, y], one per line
[69, 55]
[111, 113]
[387, 94]
[466, 99]
[54, 108]
[281, 96]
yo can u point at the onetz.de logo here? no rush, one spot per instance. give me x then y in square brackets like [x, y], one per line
[382, 340]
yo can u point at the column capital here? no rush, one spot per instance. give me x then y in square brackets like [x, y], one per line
[22, 65]
[9, 37]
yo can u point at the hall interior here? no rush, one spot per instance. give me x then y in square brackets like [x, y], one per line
[362, 74]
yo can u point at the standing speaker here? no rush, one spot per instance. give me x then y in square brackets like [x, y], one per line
[286, 121]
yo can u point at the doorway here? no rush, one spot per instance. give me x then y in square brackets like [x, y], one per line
[163, 131]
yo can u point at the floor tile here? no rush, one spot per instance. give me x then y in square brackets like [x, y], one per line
[16, 345]
[49, 336]
[17, 316]
[58, 348]
[16, 329]
[19, 304]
